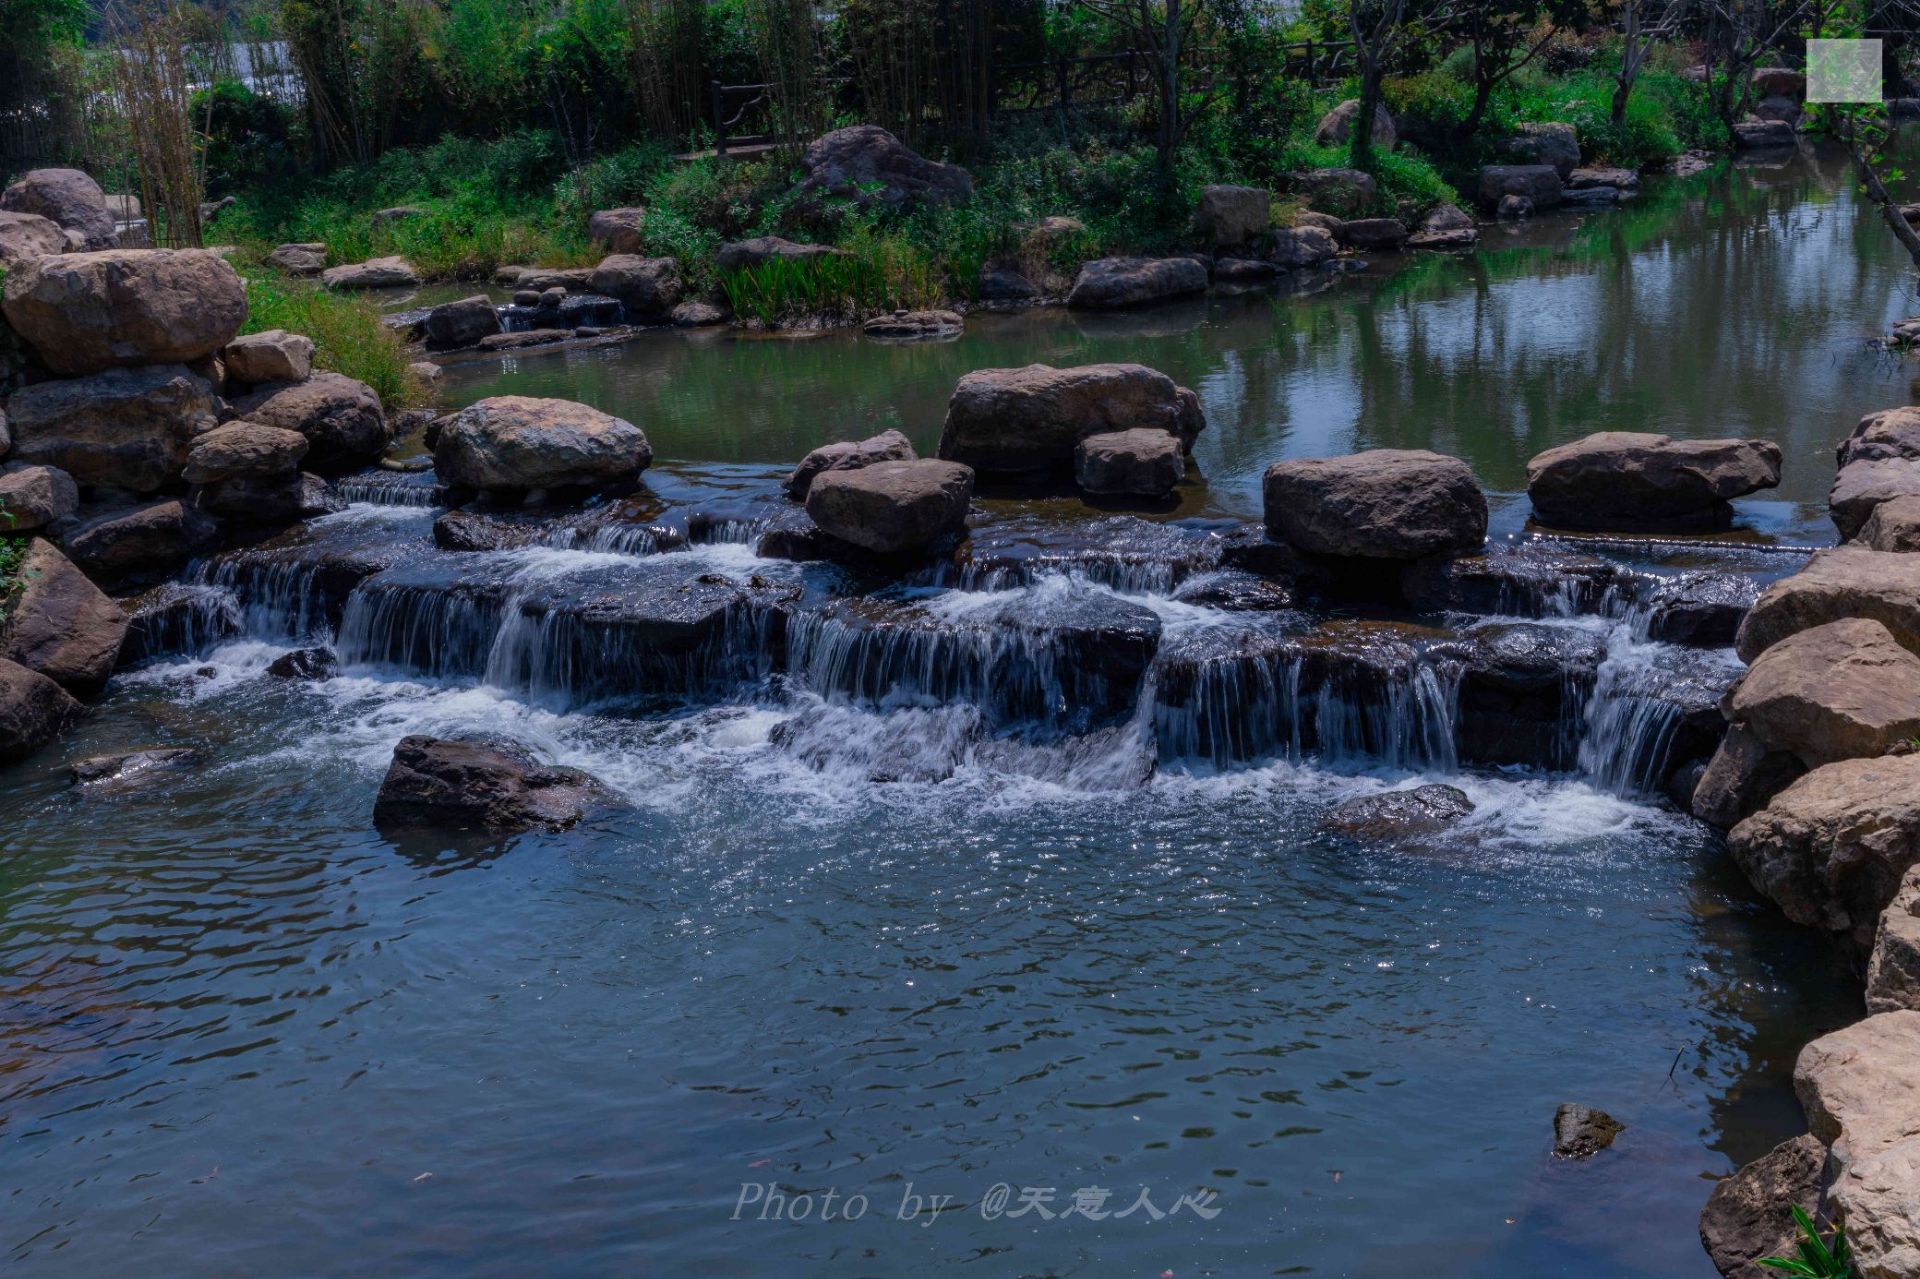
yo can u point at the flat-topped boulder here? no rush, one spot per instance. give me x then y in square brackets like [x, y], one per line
[67, 197]
[1893, 972]
[1860, 1087]
[345, 426]
[1864, 483]
[1551, 143]
[453, 325]
[392, 272]
[1754, 134]
[273, 356]
[1831, 849]
[246, 450]
[1374, 235]
[1296, 248]
[1446, 226]
[517, 443]
[494, 788]
[847, 455]
[1142, 462]
[1583, 179]
[1232, 215]
[84, 312]
[1107, 284]
[128, 428]
[33, 710]
[1397, 504]
[1888, 433]
[1528, 579]
[893, 508]
[60, 624]
[647, 289]
[1538, 184]
[868, 165]
[28, 235]
[1029, 420]
[33, 497]
[619, 230]
[1836, 584]
[1629, 480]
[742, 255]
[302, 258]
[1833, 692]
[915, 326]
[1893, 526]
[1336, 126]
[1401, 814]
[1344, 193]
[269, 500]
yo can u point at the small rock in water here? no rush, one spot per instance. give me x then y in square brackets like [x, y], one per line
[125, 767]
[1400, 814]
[306, 663]
[453, 785]
[1581, 1132]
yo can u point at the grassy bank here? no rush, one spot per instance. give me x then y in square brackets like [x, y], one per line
[347, 332]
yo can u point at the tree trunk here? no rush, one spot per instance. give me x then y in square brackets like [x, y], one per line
[1169, 138]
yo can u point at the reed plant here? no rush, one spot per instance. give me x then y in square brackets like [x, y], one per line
[871, 275]
[154, 75]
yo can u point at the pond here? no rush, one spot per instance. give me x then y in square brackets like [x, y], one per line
[919, 952]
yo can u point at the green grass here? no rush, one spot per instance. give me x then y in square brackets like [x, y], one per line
[13, 550]
[871, 275]
[348, 336]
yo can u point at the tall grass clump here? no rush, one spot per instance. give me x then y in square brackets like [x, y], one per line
[347, 332]
[871, 275]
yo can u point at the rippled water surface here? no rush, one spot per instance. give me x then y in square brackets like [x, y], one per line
[242, 1033]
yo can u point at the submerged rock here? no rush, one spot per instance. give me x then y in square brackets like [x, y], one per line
[1108, 284]
[847, 455]
[1529, 579]
[1749, 1216]
[60, 624]
[1398, 504]
[893, 508]
[33, 710]
[123, 770]
[1581, 1132]
[1401, 814]
[1031, 420]
[1836, 585]
[1636, 480]
[517, 443]
[497, 789]
[177, 618]
[1521, 690]
[316, 664]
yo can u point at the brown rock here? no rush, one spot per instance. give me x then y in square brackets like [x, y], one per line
[141, 544]
[847, 455]
[244, 449]
[1015, 421]
[128, 428]
[1399, 504]
[1893, 972]
[33, 497]
[619, 230]
[495, 789]
[915, 326]
[1581, 1132]
[1741, 778]
[1888, 433]
[60, 624]
[273, 356]
[1635, 480]
[84, 312]
[299, 259]
[1749, 1216]
[515, 443]
[1893, 526]
[647, 288]
[1844, 582]
[28, 235]
[375, 273]
[33, 710]
[1109, 284]
[342, 419]
[1230, 215]
[1833, 692]
[1142, 462]
[1863, 484]
[893, 508]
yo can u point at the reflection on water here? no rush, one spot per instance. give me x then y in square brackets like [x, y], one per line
[1737, 302]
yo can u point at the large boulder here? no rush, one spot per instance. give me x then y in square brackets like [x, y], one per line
[1754, 134]
[452, 325]
[1836, 584]
[1830, 850]
[273, 356]
[1303, 246]
[1893, 973]
[647, 289]
[68, 197]
[28, 235]
[619, 230]
[60, 624]
[1374, 235]
[342, 419]
[1749, 1216]
[139, 545]
[847, 455]
[516, 443]
[1888, 433]
[1860, 1088]
[33, 497]
[1538, 184]
[128, 428]
[1230, 215]
[1553, 144]
[1741, 778]
[1014, 421]
[1107, 284]
[1399, 504]
[244, 450]
[1336, 126]
[742, 255]
[271, 499]
[1779, 81]
[1830, 693]
[495, 789]
[83, 312]
[1636, 480]
[1893, 526]
[375, 273]
[1863, 484]
[867, 165]
[1345, 193]
[33, 710]
[1446, 226]
[893, 508]
[1143, 462]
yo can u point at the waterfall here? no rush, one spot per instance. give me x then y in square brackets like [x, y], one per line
[392, 488]
[1647, 699]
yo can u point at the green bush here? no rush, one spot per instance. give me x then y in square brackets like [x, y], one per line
[348, 335]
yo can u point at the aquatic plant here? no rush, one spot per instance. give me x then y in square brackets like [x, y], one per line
[870, 275]
[1818, 1258]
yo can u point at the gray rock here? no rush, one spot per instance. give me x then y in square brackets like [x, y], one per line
[847, 455]
[1538, 184]
[473, 786]
[1700, 609]
[743, 255]
[32, 497]
[867, 165]
[893, 508]
[1303, 246]
[1399, 504]
[1401, 814]
[384, 218]
[273, 356]
[1375, 235]
[1553, 144]
[619, 230]
[33, 710]
[124, 770]
[315, 664]
[127, 428]
[697, 315]
[1447, 226]
[1760, 135]
[516, 443]
[1602, 176]
[1345, 193]
[1634, 480]
[915, 326]
[67, 197]
[647, 288]
[1336, 126]
[1115, 283]
[1581, 1132]
[270, 499]
[453, 325]
[1513, 208]
[84, 312]
[375, 273]
[1142, 462]
[308, 258]
[1232, 215]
